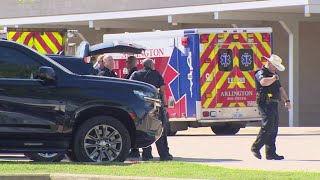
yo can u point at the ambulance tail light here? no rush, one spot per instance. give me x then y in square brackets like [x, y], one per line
[204, 38]
[266, 37]
[184, 41]
[205, 113]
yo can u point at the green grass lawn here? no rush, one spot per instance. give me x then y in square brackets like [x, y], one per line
[154, 169]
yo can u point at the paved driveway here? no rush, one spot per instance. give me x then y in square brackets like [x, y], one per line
[300, 146]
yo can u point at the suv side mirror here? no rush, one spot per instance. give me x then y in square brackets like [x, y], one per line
[47, 74]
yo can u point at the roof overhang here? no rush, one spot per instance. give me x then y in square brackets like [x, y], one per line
[308, 6]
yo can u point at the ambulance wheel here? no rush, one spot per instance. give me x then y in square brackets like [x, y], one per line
[225, 130]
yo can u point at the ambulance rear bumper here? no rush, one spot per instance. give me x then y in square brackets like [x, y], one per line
[214, 120]
[229, 120]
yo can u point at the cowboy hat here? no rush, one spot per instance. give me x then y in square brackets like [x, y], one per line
[276, 61]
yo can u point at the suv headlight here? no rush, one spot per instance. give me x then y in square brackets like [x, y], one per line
[142, 94]
[148, 96]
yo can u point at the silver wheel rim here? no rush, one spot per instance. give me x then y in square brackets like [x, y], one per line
[103, 143]
[47, 155]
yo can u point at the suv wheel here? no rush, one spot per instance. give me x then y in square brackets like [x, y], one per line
[101, 139]
[45, 157]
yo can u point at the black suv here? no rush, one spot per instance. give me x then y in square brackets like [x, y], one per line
[46, 108]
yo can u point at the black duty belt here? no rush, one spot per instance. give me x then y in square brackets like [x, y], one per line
[274, 100]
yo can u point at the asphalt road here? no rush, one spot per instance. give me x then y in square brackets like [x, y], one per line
[300, 146]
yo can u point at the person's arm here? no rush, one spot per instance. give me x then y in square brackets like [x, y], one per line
[284, 96]
[163, 93]
[267, 81]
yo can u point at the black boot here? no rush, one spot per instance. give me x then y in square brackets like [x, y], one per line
[134, 153]
[274, 157]
[256, 153]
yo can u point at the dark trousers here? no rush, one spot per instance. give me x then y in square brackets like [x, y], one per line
[161, 144]
[269, 129]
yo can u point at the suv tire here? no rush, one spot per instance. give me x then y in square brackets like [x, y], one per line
[101, 139]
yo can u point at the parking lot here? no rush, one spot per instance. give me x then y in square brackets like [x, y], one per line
[300, 146]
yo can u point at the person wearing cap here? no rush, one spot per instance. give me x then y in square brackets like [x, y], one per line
[269, 94]
[151, 76]
[108, 65]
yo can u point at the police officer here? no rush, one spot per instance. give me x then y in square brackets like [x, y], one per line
[108, 65]
[269, 94]
[131, 65]
[151, 76]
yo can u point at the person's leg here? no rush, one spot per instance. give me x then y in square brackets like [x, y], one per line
[264, 130]
[163, 148]
[147, 153]
[271, 142]
[134, 153]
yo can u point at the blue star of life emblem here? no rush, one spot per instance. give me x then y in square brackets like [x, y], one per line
[246, 59]
[225, 60]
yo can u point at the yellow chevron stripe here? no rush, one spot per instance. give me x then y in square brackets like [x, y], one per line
[23, 37]
[206, 84]
[49, 43]
[59, 38]
[232, 104]
[218, 86]
[264, 44]
[249, 78]
[211, 55]
[10, 35]
[241, 104]
[204, 68]
[205, 46]
[38, 46]
[219, 105]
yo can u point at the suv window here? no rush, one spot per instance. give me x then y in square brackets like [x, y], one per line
[246, 62]
[225, 60]
[16, 64]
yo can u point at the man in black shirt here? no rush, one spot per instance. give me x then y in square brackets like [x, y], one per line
[108, 65]
[151, 76]
[131, 65]
[269, 94]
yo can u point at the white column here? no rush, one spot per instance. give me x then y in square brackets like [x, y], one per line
[292, 28]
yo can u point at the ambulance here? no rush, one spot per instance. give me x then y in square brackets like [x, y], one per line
[209, 73]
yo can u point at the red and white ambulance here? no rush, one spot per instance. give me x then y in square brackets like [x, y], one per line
[209, 73]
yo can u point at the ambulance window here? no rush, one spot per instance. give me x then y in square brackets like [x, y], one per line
[246, 62]
[225, 60]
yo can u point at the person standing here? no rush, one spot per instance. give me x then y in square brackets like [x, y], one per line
[131, 65]
[151, 76]
[108, 65]
[269, 94]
